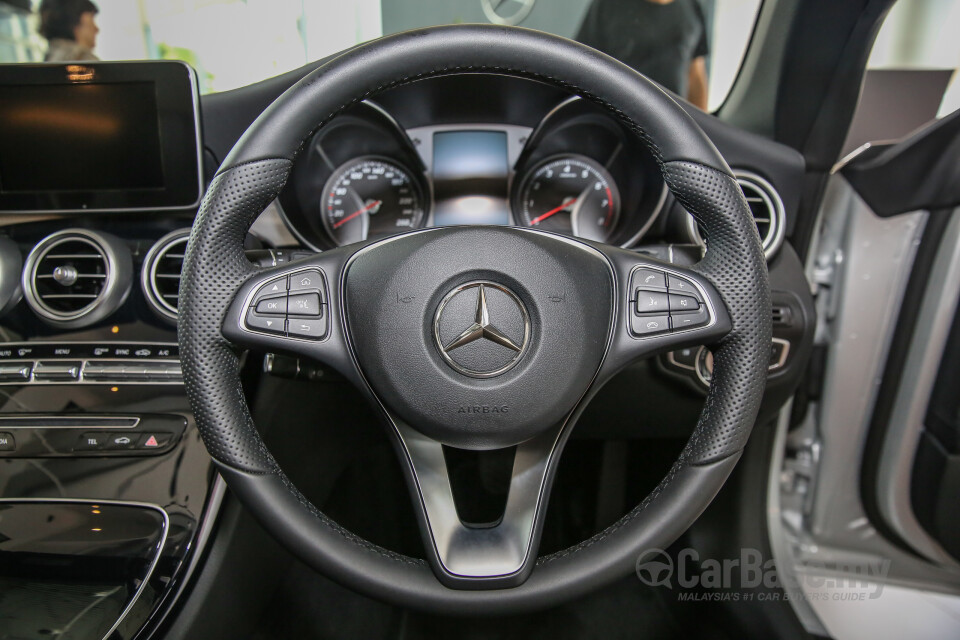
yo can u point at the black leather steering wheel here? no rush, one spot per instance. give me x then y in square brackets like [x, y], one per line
[474, 337]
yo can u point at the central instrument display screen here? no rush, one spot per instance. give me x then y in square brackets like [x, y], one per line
[470, 173]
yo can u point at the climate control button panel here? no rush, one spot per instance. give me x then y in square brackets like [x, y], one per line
[35, 363]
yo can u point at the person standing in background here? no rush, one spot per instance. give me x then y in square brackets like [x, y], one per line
[665, 40]
[70, 29]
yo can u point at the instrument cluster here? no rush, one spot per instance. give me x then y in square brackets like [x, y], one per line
[577, 172]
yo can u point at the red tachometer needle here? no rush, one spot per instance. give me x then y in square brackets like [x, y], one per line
[353, 215]
[546, 215]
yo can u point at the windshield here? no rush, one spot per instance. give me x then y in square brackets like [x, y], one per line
[693, 47]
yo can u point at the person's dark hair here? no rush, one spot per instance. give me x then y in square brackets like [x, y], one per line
[58, 18]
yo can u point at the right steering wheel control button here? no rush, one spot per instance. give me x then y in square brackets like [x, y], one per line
[683, 304]
[691, 320]
[648, 279]
[649, 325]
[662, 302]
[680, 285]
[655, 302]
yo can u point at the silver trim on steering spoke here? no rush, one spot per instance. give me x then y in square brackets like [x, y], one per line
[481, 553]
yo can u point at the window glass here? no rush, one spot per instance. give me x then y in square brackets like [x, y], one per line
[691, 46]
[922, 35]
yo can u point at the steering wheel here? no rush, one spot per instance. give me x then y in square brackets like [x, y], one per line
[477, 338]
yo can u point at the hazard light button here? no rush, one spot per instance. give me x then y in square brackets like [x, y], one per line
[150, 441]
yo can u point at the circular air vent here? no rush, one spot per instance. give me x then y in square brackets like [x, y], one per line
[767, 209]
[160, 277]
[75, 277]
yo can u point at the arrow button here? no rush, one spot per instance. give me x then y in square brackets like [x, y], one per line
[264, 323]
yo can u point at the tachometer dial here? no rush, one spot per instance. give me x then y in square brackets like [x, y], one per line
[370, 198]
[569, 194]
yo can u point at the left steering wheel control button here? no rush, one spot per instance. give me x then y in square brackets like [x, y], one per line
[272, 289]
[272, 306]
[305, 304]
[310, 328]
[305, 281]
[292, 305]
[265, 323]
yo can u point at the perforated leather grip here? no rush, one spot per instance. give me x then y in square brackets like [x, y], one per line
[735, 264]
[214, 267]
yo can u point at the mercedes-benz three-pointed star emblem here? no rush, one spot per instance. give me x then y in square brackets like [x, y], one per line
[483, 328]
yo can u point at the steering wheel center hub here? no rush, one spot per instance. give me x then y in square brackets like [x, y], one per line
[479, 337]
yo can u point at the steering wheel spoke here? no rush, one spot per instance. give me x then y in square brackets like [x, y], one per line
[494, 554]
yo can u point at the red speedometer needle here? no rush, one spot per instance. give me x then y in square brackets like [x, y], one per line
[375, 203]
[546, 215]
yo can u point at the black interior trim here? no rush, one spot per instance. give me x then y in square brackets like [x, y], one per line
[920, 172]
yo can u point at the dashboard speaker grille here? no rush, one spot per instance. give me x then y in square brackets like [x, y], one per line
[161, 273]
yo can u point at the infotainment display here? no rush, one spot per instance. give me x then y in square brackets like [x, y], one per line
[99, 137]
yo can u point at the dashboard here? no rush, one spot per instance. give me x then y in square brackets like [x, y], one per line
[93, 410]
[504, 151]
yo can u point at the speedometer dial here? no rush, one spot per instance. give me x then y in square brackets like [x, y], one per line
[369, 198]
[569, 194]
